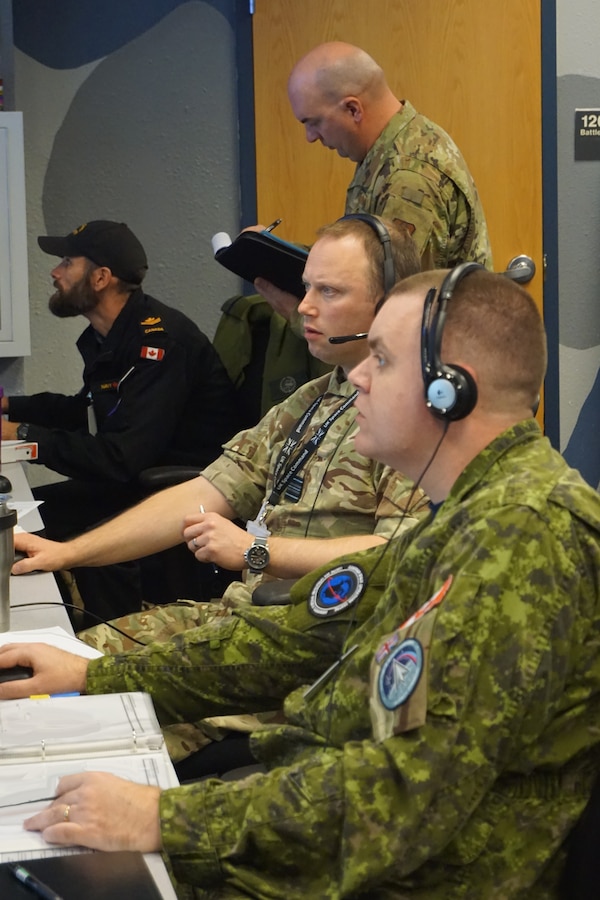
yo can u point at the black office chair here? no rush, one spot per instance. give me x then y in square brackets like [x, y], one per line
[581, 875]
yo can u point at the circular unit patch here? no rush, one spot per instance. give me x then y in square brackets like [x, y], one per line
[400, 673]
[288, 384]
[337, 590]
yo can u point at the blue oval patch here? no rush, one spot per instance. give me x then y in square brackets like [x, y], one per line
[400, 674]
[337, 590]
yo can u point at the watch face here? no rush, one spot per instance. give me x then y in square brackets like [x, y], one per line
[257, 556]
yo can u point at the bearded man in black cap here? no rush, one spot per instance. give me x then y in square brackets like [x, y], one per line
[154, 393]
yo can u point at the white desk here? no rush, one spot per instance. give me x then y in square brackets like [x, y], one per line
[40, 588]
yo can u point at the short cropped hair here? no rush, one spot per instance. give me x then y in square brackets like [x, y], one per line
[404, 250]
[492, 324]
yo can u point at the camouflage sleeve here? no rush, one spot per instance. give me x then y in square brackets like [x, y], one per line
[243, 663]
[353, 810]
[436, 215]
[243, 471]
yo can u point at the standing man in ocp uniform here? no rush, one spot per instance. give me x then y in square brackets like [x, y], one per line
[154, 392]
[408, 169]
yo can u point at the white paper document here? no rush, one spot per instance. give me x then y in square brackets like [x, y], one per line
[43, 740]
[55, 636]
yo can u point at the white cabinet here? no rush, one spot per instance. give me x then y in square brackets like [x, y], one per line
[14, 285]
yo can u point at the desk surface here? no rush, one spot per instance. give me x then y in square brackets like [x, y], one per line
[40, 589]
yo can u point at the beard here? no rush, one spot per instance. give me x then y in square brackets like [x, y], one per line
[76, 301]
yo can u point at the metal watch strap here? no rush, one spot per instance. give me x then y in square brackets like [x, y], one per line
[259, 544]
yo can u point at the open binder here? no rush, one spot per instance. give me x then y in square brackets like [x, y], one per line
[259, 254]
[48, 727]
[41, 740]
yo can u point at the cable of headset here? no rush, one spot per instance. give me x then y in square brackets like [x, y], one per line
[74, 606]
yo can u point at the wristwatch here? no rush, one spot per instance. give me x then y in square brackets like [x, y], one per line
[22, 431]
[257, 555]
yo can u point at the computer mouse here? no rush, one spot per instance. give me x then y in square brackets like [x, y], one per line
[15, 673]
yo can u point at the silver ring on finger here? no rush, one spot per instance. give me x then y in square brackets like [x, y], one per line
[194, 543]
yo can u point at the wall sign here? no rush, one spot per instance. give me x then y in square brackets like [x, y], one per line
[587, 134]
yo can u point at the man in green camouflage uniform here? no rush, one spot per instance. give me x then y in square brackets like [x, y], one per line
[453, 745]
[408, 169]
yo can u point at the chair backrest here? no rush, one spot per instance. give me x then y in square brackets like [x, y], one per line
[581, 875]
[264, 358]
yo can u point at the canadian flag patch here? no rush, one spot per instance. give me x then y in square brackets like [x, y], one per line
[152, 352]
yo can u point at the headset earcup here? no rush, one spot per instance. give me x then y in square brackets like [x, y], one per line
[441, 395]
[452, 394]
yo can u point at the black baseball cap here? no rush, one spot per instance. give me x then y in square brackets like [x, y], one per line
[109, 244]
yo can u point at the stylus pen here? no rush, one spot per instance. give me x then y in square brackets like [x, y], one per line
[34, 884]
[273, 225]
[215, 568]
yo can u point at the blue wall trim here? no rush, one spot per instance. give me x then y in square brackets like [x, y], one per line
[550, 217]
[247, 132]
[76, 32]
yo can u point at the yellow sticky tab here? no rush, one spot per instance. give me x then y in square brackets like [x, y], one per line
[39, 696]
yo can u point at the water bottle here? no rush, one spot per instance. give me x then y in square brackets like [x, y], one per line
[8, 520]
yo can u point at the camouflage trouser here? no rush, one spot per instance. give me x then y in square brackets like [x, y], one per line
[159, 624]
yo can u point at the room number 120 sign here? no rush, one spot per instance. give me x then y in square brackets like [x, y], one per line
[587, 134]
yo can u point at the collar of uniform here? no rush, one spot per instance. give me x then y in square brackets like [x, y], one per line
[88, 340]
[338, 383]
[397, 123]
[475, 472]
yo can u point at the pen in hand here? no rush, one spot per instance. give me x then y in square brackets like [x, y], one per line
[273, 225]
[215, 568]
[34, 884]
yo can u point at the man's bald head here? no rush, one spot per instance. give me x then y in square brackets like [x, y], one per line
[337, 70]
[341, 96]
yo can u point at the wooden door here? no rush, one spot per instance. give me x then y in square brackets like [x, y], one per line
[473, 67]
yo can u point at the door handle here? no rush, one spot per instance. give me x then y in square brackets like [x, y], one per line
[520, 269]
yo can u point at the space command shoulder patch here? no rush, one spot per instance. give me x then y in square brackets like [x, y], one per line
[400, 673]
[337, 590]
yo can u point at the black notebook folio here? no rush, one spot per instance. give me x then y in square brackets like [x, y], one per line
[259, 254]
[85, 876]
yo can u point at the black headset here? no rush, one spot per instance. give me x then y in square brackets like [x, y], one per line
[389, 271]
[450, 391]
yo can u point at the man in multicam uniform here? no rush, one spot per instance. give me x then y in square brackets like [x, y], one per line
[454, 745]
[408, 168]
